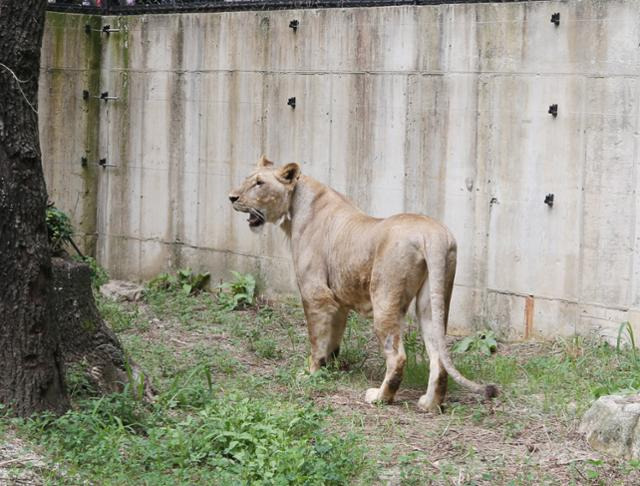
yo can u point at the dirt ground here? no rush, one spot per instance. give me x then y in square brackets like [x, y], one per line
[19, 464]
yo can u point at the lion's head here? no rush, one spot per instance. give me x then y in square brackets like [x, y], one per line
[266, 193]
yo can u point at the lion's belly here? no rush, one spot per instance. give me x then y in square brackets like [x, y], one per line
[350, 276]
[364, 308]
[354, 293]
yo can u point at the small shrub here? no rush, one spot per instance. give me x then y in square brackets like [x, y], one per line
[625, 328]
[99, 275]
[59, 228]
[238, 293]
[483, 341]
[184, 280]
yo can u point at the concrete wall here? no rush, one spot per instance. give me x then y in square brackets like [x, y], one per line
[440, 110]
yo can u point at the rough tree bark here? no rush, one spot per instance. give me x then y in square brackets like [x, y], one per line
[86, 341]
[48, 316]
[31, 364]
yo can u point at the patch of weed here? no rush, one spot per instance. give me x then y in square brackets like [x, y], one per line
[185, 280]
[267, 347]
[190, 389]
[79, 385]
[158, 359]
[219, 359]
[412, 470]
[59, 228]
[302, 384]
[353, 349]
[482, 341]
[282, 322]
[599, 369]
[239, 293]
[416, 373]
[229, 440]
[189, 310]
[99, 275]
[119, 317]
[627, 337]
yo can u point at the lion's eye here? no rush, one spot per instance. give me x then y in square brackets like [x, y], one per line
[259, 182]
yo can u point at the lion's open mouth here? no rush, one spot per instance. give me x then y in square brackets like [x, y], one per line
[256, 218]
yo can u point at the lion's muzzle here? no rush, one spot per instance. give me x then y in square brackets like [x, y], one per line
[256, 217]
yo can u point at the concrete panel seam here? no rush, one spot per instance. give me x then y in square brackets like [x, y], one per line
[634, 220]
[381, 72]
[193, 247]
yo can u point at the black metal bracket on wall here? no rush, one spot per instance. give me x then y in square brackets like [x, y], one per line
[106, 29]
[103, 96]
[548, 200]
[103, 163]
[84, 162]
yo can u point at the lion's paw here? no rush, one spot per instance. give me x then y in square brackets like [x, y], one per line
[372, 395]
[429, 404]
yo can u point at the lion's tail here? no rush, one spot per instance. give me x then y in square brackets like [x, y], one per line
[433, 297]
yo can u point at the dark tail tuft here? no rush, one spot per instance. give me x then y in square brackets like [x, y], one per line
[491, 391]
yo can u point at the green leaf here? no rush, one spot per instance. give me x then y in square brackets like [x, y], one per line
[491, 343]
[463, 345]
[484, 348]
[592, 474]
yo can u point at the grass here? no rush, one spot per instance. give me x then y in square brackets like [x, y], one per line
[211, 439]
[119, 318]
[237, 406]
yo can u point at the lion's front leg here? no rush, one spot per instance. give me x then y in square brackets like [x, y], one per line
[326, 322]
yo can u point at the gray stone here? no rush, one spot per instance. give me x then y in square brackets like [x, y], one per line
[611, 425]
[120, 290]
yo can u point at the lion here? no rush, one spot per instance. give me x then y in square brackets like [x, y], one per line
[346, 260]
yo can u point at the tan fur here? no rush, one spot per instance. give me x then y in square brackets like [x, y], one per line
[345, 260]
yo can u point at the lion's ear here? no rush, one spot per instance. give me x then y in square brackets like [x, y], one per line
[264, 162]
[289, 173]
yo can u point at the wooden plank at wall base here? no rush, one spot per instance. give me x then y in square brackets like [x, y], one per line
[528, 317]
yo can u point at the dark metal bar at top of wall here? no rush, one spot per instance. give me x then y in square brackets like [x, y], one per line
[131, 7]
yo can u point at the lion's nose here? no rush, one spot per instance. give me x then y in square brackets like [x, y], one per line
[233, 198]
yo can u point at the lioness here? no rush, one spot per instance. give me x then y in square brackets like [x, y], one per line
[346, 260]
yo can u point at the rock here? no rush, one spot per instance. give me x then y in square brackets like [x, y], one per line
[611, 425]
[120, 291]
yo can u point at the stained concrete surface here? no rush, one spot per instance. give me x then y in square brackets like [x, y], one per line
[441, 110]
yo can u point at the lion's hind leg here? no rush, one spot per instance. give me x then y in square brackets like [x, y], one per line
[443, 278]
[438, 377]
[387, 323]
[396, 278]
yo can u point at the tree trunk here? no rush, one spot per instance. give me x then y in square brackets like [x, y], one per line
[31, 376]
[86, 341]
